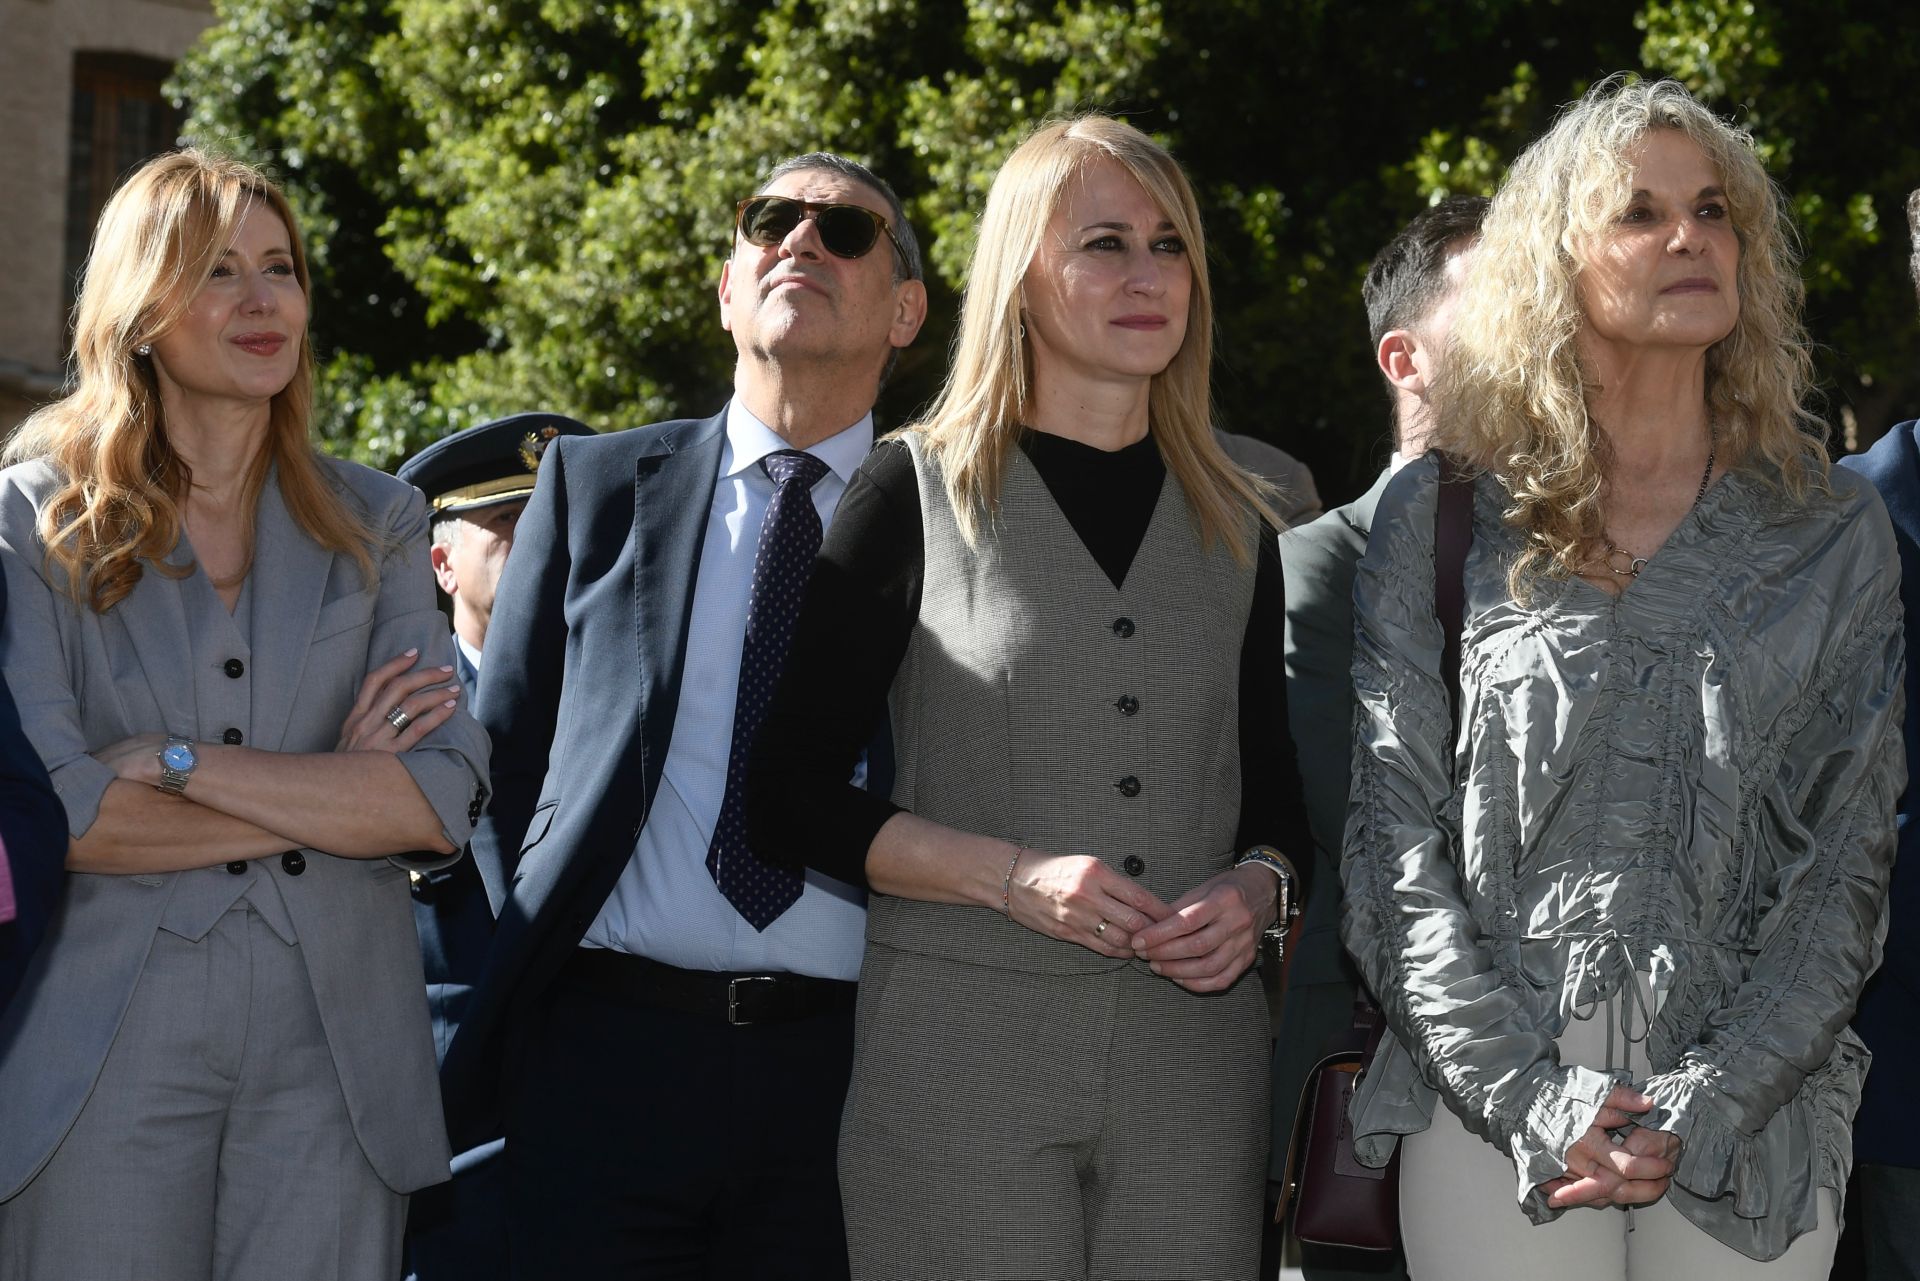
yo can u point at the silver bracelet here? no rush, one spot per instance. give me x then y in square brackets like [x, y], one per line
[1276, 862]
[1006, 882]
[1286, 909]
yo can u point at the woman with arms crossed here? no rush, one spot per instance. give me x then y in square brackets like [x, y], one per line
[1068, 588]
[1619, 924]
[226, 650]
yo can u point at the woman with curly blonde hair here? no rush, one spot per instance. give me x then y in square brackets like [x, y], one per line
[228, 657]
[1620, 916]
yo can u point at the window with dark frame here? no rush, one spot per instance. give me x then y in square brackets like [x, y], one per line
[119, 119]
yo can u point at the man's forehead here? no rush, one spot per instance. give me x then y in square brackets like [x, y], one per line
[826, 186]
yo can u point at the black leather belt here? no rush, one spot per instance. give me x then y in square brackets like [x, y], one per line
[724, 997]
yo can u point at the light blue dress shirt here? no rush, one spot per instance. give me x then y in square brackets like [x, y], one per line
[665, 905]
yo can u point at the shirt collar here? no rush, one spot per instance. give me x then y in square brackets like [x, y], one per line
[473, 655]
[749, 440]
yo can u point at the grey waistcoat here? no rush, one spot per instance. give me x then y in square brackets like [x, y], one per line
[1040, 704]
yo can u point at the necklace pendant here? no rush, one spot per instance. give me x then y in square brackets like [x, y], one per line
[1622, 564]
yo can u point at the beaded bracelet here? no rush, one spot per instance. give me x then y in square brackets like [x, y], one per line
[1006, 882]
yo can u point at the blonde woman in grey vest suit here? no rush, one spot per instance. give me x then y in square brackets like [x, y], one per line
[1067, 593]
[226, 652]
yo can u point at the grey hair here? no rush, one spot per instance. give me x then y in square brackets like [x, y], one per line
[445, 530]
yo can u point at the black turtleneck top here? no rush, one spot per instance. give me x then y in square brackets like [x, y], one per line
[860, 611]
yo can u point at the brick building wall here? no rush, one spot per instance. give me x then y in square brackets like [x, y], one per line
[114, 51]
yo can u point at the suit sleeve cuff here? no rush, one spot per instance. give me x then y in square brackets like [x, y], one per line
[81, 784]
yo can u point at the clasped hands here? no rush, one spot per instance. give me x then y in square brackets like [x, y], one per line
[1635, 1170]
[1203, 941]
[427, 694]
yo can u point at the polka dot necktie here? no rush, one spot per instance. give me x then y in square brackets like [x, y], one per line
[788, 540]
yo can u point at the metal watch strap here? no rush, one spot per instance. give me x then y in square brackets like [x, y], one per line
[1271, 859]
[173, 781]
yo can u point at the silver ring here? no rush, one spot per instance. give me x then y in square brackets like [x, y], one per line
[399, 717]
[1100, 929]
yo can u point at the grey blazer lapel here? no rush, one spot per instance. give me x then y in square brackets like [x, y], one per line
[1360, 512]
[290, 573]
[155, 618]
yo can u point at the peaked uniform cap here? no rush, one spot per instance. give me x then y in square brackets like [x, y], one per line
[496, 462]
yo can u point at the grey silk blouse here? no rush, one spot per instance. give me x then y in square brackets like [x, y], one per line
[1695, 782]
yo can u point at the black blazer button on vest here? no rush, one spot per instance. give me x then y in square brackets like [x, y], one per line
[1123, 627]
[1129, 786]
[232, 738]
[235, 668]
[293, 862]
[237, 868]
[1134, 865]
[1127, 704]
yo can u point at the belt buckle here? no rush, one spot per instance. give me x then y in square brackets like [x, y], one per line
[733, 997]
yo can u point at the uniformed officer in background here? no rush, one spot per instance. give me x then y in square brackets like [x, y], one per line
[476, 483]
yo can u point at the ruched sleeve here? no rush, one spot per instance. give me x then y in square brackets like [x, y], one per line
[1407, 920]
[1821, 837]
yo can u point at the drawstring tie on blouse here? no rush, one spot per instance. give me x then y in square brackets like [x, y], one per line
[1587, 957]
[1589, 952]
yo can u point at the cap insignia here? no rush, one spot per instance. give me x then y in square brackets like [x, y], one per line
[533, 447]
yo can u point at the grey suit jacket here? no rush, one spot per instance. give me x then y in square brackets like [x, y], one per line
[1319, 560]
[169, 658]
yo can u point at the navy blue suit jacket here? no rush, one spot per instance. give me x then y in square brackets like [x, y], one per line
[579, 689]
[1887, 1129]
[34, 826]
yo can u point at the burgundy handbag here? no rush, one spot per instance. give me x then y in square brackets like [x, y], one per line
[1336, 1200]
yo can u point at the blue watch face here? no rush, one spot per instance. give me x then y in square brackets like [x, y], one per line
[177, 756]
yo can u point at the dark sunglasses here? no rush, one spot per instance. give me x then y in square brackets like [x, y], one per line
[848, 231]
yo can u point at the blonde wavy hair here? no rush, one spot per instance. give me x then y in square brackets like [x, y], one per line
[989, 390]
[1513, 396]
[117, 511]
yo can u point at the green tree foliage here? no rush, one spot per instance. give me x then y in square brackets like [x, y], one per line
[525, 203]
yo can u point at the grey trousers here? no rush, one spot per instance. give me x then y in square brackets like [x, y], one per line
[216, 1145]
[1004, 1126]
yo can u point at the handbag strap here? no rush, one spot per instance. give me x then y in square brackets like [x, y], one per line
[1452, 537]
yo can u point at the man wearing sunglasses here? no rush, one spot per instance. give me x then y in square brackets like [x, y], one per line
[664, 1026]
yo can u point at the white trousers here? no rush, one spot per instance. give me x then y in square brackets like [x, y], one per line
[1459, 1220]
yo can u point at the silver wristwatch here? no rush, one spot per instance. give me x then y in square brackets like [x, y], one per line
[176, 764]
[1286, 908]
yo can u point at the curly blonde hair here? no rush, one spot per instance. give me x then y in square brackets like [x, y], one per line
[989, 389]
[117, 512]
[1514, 394]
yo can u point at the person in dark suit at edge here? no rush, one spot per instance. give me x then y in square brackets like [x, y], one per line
[33, 843]
[1409, 293]
[1886, 1130]
[476, 482]
[664, 1024]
